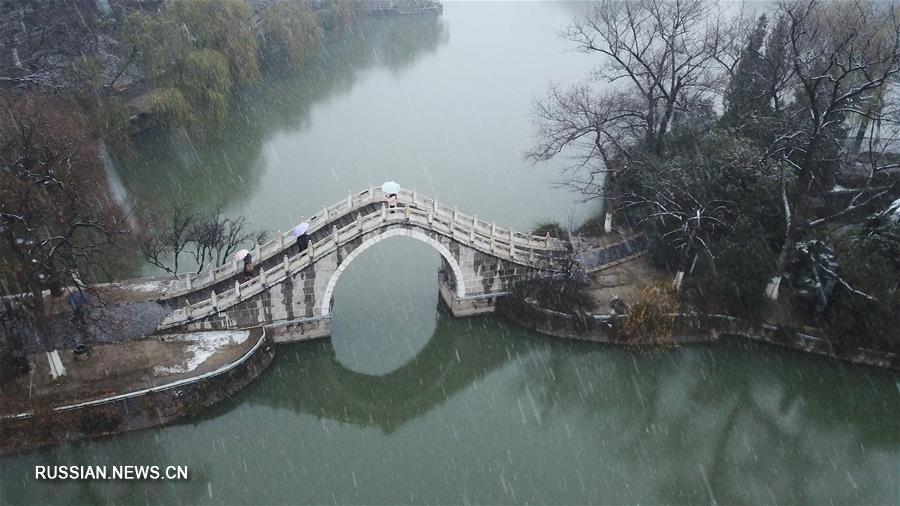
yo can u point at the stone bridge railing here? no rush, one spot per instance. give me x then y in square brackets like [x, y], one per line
[444, 219]
[414, 210]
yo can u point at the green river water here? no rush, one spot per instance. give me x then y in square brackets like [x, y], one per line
[404, 404]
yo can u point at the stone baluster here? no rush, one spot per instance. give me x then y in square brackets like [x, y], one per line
[406, 211]
[262, 276]
[188, 309]
[430, 217]
[311, 251]
[531, 255]
[188, 282]
[474, 225]
[211, 274]
[359, 222]
[335, 235]
[415, 196]
[453, 222]
[371, 192]
[383, 212]
[280, 241]
[287, 264]
[547, 239]
[434, 205]
[257, 253]
[325, 213]
[237, 290]
[512, 244]
[215, 299]
[349, 200]
[493, 230]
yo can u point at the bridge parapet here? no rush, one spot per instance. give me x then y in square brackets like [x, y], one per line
[415, 211]
[468, 229]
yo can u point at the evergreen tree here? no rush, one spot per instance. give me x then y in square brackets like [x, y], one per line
[747, 97]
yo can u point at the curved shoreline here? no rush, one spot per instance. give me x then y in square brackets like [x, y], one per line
[163, 404]
[691, 329]
[135, 410]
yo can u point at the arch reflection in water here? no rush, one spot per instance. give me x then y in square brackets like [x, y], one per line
[450, 361]
[384, 305]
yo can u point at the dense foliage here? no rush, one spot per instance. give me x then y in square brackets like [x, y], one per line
[196, 52]
[291, 35]
[772, 203]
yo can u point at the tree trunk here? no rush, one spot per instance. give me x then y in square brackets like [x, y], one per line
[16, 346]
[664, 125]
[40, 315]
[860, 135]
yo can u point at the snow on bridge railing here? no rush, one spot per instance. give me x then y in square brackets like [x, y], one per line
[457, 223]
[506, 247]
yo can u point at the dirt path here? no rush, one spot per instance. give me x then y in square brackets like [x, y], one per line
[113, 369]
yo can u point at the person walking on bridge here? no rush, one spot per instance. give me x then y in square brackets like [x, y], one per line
[390, 190]
[244, 259]
[301, 232]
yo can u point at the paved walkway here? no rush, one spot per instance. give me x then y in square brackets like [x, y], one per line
[103, 325]
[118, 312]
[113, 369]
[614, 248]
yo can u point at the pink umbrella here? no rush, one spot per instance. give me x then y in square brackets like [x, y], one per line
[241, 254]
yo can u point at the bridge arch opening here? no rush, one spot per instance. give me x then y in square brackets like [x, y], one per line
[445, 253]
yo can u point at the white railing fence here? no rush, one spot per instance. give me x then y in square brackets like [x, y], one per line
[413, 208]
[456, 224]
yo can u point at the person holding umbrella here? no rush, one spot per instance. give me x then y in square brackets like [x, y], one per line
[302, 235]
[245, 257]
[391, 189]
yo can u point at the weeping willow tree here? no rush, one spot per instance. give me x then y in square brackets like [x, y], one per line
[223, 27]
[193, 53]
[291, 34]
[198, 95]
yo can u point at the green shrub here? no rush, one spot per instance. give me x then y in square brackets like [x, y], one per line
[743, 265]
[854, 320]
[551, 227]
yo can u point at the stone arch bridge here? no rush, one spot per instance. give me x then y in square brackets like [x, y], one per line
[291, 292]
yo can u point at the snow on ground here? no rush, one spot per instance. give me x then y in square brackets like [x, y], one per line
[148, 286]
[204, 345]
[894, 211]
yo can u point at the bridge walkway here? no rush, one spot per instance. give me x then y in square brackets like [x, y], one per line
[361, 212]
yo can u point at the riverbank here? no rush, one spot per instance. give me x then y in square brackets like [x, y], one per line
[128, 386]
[624, 281]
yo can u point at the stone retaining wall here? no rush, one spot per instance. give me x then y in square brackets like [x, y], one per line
[690, 329]
[157, 407]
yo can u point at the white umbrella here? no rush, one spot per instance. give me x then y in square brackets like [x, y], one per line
[241, 253]
[300, 229]
[390, 188]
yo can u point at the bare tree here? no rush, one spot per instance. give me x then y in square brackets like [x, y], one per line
[841, 56]
[664, 52]
[598, 131]
[661, 60]
[50, 227]
[216, 238]
[210, 240]
[690, 218]
[40, 40]
[167, 238]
